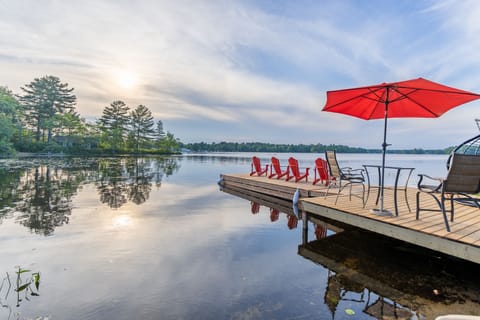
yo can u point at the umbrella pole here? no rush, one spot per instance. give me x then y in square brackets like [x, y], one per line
[384, 151]
[381, 210]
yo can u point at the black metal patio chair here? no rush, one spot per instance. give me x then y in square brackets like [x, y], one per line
[343, 177]
[461, 185]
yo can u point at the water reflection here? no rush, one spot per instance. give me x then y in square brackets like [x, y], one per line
[130, 179]
[44, 194]
[38, 193]
[354, 278]
[371, 276]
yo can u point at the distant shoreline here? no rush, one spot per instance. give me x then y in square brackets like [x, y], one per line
[296, 148]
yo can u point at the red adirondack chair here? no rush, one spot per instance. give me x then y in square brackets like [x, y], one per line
[295, 170]
[254, 207]
[320, 231]
[292, 222]
[257, 167]
[274, 214]
[276, 170]
[321, 172]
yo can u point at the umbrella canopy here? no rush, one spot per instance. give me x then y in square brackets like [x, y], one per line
[416, 98]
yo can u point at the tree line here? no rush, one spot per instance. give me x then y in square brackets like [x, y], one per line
[294, 148]
[43, 118]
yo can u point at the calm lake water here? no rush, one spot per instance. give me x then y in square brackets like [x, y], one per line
[155, 238]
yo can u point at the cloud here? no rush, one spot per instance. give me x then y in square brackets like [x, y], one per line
[239, 62]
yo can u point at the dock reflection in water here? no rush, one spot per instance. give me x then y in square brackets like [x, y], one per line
[370, 276]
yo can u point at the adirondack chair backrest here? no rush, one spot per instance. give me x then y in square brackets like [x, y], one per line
[322, 168]
[464, 174]
[256, 164]
[293, 163]
[276, 165]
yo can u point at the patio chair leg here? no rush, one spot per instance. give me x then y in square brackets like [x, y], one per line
[338, 194]
[326, 192]
[406, 201]
[444, 212]
[445, 218]
[417, 213]
[363, 196]
[451, 207]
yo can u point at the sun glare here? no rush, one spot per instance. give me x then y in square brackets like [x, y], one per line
[122, 221]
[126, 79]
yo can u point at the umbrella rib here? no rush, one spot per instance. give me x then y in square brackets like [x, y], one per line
[376, 100]
[407, 96]
[363, 95]
[422, 106]
[379, 97]
[462, 92]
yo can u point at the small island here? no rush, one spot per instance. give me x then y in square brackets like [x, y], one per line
[43, 119]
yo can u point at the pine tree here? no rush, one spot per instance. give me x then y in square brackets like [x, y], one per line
[43, 99]
[141, 126]
[159, 134]
[113, 124]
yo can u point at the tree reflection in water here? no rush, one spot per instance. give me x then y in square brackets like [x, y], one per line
[130, 179]
[45, 194]
[38, 193]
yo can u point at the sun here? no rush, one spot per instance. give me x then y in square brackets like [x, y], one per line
[126, 79]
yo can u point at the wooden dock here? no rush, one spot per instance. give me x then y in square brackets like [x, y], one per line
[463, 241]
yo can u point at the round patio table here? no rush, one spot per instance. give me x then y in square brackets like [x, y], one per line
[372, 170]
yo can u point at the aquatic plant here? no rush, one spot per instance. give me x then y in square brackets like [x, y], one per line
[27, 284]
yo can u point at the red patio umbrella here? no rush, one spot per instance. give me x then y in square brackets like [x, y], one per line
[416, 98]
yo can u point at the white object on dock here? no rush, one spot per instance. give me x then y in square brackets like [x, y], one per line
[296, 196]
[457, 317]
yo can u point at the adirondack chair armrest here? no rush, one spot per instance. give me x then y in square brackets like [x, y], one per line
[306, 169]
[428, 186]
[303, 168]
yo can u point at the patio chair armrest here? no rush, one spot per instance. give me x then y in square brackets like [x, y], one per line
[429, 187]
[351, 169]
[354, 172]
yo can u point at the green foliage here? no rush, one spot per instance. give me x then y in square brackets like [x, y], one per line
[113, 125]
[71, 124]
[9, 105]
[169, 144]
[6, 148]
[42, 100]
[52, 147]
[43, 119]
[9, 108]
[23, 285]
[142, 127]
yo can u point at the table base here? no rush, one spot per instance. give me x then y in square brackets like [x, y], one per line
[384, 213]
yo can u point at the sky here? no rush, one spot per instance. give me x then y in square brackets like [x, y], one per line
[249, 71]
